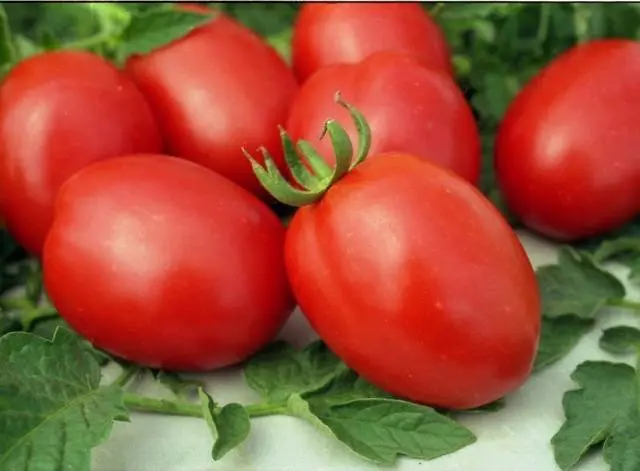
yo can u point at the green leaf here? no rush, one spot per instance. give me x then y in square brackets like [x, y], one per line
[383, 429]
[346, 386]
[622, 448]
[8, 325]
[177, 384]
[7, 48]
[607, 392]
[558, 337]
[279, 370]
[229, 425]
[620, 339]
[52, 408]
[155, 28]
[576, 285]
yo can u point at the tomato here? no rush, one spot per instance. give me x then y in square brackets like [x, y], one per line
[414, 279]
[215, 90]
[332, 33]
[59, 111]
[567, 152]
[167, 264]
[410, 109]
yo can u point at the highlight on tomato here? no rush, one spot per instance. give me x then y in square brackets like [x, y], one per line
[60, 111]
[167, 264]
[217, 89]
[348, 32]
[373, 255]
[410, 108]
[566, 153]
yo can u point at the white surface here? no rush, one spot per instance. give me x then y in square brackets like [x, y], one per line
[513, 439]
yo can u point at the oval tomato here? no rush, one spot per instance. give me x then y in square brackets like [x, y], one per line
[333, 33]
[415, 280]
[167, 264]
[59, 111]
[410, 108]
[215, 90]
[566, 154]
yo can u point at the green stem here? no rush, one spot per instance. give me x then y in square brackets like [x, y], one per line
[136, 402]
[127, 374]
[625, 303]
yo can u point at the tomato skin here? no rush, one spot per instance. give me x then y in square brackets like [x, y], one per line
[566, 153]
[60, 111]
[167, 264]
[409, 108]
[334, 33]
[415, 280]
[215, 90]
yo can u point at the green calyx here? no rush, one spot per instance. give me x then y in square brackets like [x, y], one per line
[311, 172]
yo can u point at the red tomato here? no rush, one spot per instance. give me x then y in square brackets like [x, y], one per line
[166, 264]
[416, 281]
[214, 91]
[333, 33]
[568, 151]
[410, 108]
[59, 111]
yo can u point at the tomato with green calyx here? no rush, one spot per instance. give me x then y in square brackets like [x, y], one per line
[411, 109]
[60, 111]
[567, 153]
[407, 272]
[167, 264]
[337, 33]
[216, 89]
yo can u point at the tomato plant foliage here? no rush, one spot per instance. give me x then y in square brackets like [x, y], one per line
[56, 400]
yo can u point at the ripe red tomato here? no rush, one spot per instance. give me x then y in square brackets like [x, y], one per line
[167, 264]
[416, 281]
[410, 108]
[59, 111]
[333, 33]
[567, 152]
[215, 90]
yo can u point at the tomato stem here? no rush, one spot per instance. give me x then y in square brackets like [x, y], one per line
[128, 373]
[625, 303]
[136, 402]
[307, 167]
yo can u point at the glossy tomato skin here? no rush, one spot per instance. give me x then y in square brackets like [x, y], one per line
[60, 111]
[409, 108]
[214, 91]
[167, 264]
[335, 33]
[415, 280]
[567, 153]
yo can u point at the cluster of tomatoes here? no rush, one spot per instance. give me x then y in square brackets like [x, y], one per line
[157, 236]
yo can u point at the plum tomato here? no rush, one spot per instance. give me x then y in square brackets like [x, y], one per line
[410, 109]
[410, 275]
[167, 264]
[60, 111]
[335, 33]
[567, 152]
[217, 89]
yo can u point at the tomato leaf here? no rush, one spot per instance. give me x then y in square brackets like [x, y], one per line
[622, 448]
[383, 429]
[229, 425]
[607, 393]
[7, 48]
[152, 29]
[344, 387]
[177, 384]
[52, 408]
[576, 285]
[280, 370]
[558, 337]
[621, 339]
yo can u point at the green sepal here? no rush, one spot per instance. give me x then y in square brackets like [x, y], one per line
[307, 167]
